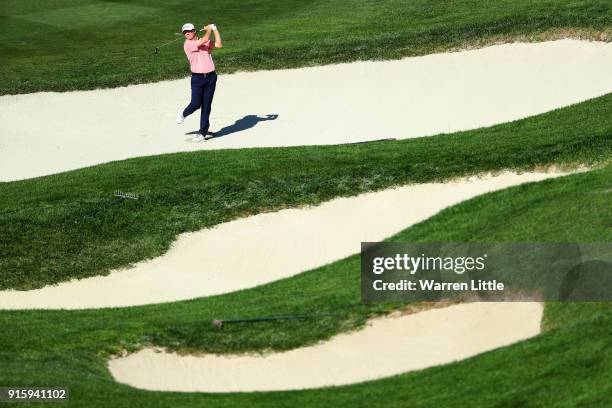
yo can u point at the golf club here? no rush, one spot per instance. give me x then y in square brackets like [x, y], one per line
[170, 42]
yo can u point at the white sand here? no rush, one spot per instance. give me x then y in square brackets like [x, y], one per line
[263, 248]
[387, 346]
[47, 133]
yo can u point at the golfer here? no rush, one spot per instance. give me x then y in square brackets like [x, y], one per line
[203, 76]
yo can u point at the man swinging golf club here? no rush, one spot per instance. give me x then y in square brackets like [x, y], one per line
[203, 76]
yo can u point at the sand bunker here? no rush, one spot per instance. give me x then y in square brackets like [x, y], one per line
[263, 248]
[387, 346]
[54, 132]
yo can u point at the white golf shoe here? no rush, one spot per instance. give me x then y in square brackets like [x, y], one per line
[180, 118]
[198, 138]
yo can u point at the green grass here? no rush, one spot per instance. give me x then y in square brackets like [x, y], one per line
[63, 226]
[85, 44]
[569, 365]
[58, 227]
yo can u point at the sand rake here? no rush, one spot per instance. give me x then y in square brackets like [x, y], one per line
[119, 197]
[219, 323]
[126, 196]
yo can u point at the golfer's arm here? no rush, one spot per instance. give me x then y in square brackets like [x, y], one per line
[206, 37]
[218, 42]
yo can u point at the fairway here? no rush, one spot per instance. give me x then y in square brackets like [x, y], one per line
[188, 220]
[91, 44]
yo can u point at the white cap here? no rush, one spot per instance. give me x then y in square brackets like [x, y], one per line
[188, 27]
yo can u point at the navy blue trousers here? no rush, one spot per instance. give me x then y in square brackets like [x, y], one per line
[202, 92]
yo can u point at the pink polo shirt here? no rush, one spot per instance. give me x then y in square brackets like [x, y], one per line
[199, 58]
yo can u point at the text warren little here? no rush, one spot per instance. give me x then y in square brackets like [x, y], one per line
[428, 284]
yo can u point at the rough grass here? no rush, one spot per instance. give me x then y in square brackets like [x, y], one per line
[569, 365]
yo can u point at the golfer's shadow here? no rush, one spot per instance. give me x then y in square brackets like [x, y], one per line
[245, 123]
